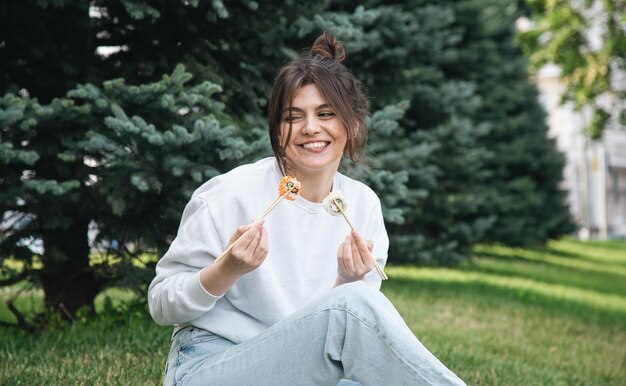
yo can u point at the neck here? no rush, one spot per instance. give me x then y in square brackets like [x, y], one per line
[315, 187]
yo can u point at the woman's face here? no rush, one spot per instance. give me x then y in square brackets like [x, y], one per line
[318, 137]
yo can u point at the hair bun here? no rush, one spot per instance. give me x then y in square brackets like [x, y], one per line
[327, 46]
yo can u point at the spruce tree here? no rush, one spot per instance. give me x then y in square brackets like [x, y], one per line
[526, 169]
[118, 157]
[80, 151]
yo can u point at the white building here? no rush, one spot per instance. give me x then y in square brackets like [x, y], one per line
[595, 171]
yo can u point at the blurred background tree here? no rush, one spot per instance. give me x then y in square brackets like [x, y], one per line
[587, 41]
[91, 132]
[522, 192]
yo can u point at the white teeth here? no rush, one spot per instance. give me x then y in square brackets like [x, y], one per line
[315, 145]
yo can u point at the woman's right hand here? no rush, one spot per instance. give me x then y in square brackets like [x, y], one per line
[249, 250]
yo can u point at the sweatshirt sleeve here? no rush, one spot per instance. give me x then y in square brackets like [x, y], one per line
[378, 234]
[175, 295]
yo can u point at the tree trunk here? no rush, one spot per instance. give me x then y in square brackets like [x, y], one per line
[68, 281]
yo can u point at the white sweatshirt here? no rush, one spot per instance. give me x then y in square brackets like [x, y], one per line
[301, 264]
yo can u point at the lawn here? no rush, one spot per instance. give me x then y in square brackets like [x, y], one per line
[555, 316]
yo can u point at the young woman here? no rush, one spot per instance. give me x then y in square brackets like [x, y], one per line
[296, 301]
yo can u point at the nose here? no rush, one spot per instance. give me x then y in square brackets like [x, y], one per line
[311, 126]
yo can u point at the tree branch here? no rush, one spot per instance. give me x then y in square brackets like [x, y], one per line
[66, 312]
[15, 279]
[21, 321]
[10, 325]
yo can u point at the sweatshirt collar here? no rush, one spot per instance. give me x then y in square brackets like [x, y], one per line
[301, 202]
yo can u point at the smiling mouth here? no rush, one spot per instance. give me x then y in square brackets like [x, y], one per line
[315, 145]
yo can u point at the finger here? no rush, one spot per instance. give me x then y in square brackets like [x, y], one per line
[247, 237]
[238, 232]
[257, 222]
[254, 243]
[370, 245]
[261, 250]
[364, 252]
[357, 257]
[347, 255]
[360, 243]
[243, 228]
[340, 263]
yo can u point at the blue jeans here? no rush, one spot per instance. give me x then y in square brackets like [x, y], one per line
[352, 332]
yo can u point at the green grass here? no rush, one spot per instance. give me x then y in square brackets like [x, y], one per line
[555, 316]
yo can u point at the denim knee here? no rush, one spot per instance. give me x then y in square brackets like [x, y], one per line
[357, 295]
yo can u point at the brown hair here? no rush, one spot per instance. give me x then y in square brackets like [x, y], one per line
[341, 90]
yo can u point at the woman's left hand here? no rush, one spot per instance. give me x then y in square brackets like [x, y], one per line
[354, 258]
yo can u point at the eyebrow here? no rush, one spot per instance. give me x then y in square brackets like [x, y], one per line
[297, 109]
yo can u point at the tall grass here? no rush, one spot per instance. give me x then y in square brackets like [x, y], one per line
[555, 316]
